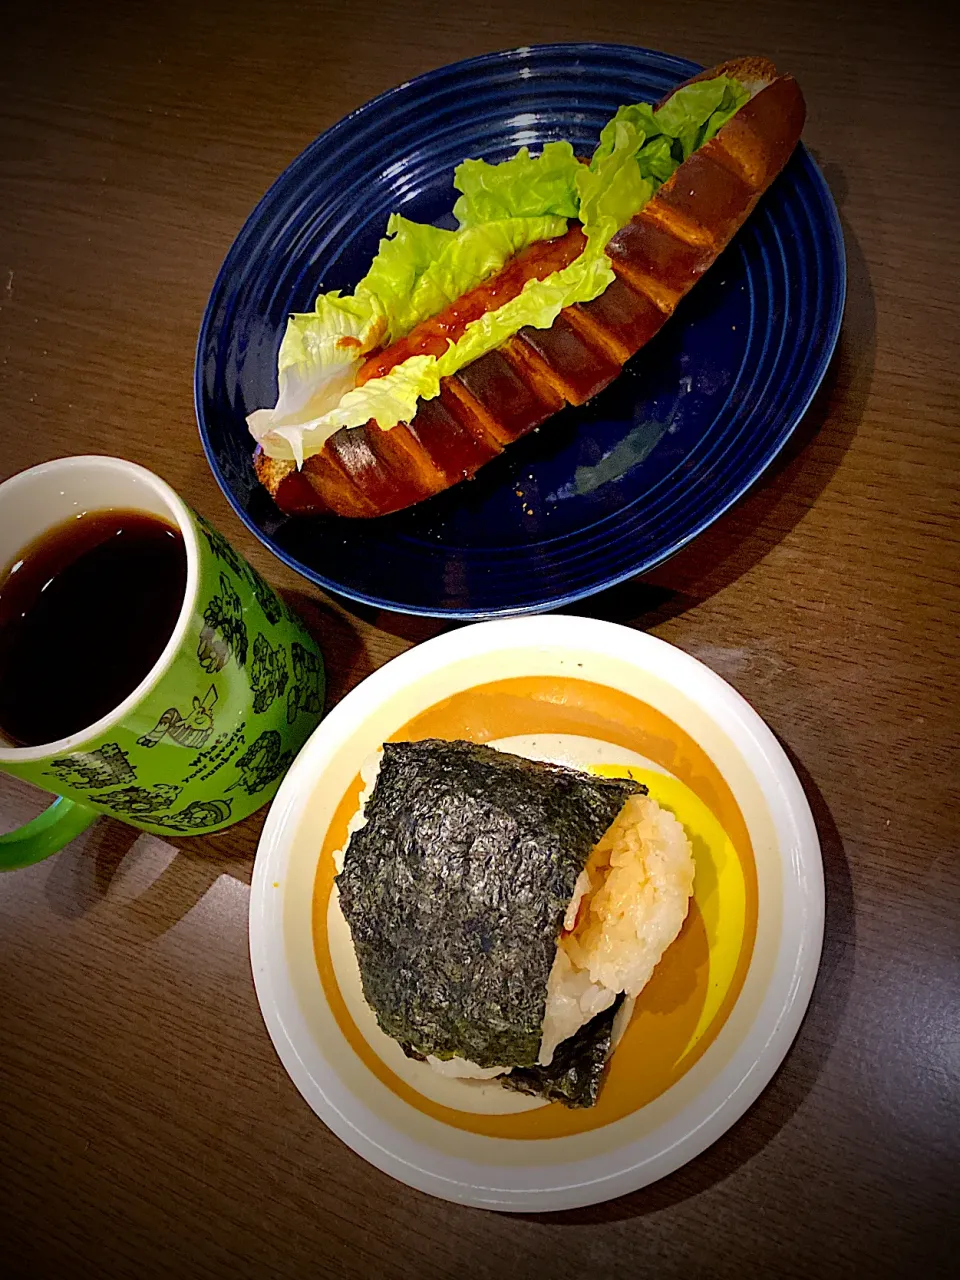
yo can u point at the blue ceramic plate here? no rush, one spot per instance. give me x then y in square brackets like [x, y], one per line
[606, 491]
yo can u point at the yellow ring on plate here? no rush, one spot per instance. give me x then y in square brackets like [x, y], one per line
[719, 888]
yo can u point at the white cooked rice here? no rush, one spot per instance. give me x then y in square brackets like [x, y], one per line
[641, 878]
[464, 1069]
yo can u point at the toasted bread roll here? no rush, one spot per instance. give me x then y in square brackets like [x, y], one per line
[658, 257]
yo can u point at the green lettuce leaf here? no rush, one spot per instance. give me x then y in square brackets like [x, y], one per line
[639, 149]
[687, 120]
[404, 257]
[420, 269]
[317, 365]
[639, 115]
[393, 398]
[655, 160]
[538, 305]
[613, 188]
[417, 272]
[692, 106]
[524, 186]
[390, 399]
[734, 97]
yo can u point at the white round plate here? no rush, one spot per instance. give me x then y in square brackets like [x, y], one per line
[535, 1174]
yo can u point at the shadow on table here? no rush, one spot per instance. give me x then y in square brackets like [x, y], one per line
[345, 658]
[80, 875]
[405, 626]
[801, 1067]
[80, 878]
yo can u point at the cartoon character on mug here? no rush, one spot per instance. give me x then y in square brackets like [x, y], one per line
[192, 730]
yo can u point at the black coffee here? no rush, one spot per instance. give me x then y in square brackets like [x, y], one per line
[85, 612]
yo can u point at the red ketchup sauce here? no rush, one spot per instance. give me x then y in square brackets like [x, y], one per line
[430, 337]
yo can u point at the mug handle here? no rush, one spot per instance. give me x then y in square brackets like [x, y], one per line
[45, 834]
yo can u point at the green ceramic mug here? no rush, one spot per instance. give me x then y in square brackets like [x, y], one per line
[206, 737]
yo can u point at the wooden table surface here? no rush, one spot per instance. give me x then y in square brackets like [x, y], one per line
[146, 1126]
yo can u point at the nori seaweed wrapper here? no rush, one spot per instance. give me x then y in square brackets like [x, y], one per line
[576, 1072]
[456, 888]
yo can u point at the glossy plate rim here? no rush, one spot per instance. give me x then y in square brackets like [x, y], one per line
[727, 1094]
[834, 244]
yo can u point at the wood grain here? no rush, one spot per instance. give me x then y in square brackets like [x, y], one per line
[146, 1127]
